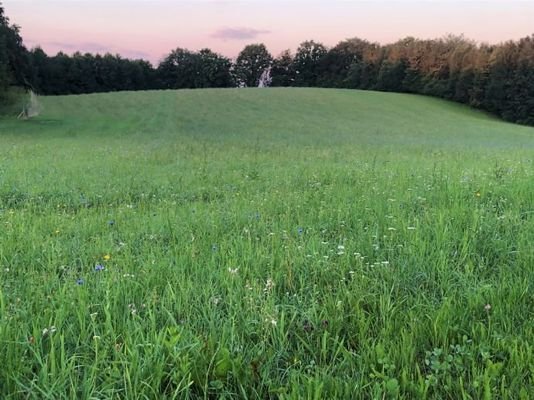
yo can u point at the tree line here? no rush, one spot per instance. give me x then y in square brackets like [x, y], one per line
[497, 78]
[14, 58]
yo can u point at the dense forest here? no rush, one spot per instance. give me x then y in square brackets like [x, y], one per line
[497, 78]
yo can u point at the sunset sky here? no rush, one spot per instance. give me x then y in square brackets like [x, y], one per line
[151, 28]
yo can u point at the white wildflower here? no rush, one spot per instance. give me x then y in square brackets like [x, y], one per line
[269, 284]
[49, 331]
[215, 300]
[133, 309]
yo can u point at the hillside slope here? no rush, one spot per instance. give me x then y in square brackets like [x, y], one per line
[293, 116]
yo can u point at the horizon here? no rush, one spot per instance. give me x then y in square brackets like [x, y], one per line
[227, 26]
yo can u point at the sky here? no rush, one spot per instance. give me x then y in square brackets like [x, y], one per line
[150, 29]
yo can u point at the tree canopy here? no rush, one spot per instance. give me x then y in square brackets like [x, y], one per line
[14, 65]
[250, 64]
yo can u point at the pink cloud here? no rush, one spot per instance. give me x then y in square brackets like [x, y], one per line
[239, 33]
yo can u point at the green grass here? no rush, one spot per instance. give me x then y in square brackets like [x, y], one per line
[281, 243]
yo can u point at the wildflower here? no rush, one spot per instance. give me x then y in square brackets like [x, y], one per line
[99, 267]
[80, 281]
[216, 300]
[477, 194]
[49, 331]
[269, 284]
[132, 308]
[487, 307]
[107, 257]
[57, 231]
[233, 271]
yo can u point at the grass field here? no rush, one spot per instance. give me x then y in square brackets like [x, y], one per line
[278, 243]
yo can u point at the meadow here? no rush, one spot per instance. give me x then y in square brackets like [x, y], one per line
[265, 243]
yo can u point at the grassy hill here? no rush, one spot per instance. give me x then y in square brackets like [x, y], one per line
[292, 243]
[295, 116]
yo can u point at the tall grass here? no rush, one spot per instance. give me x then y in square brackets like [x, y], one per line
[265, 244]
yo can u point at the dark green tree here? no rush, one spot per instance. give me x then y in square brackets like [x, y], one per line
[14, 59]
[214, 70]
[186, 69]
[178, 70]
[282, 72]
[391, 76]
[336, 64]
[251, 62]
[307, 63]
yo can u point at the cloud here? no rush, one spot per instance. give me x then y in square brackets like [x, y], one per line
[238, 33]
[89, 47]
